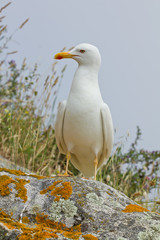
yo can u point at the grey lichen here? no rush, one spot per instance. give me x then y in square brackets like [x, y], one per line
[156, 227]
[94, 199]
[116, 204]
[98, 202]
[153, 233]
[61, 207]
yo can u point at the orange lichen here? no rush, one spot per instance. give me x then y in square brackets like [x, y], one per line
[8, 226]
[3, 214]
[72, 235]
[44, 228]
[28, 233]
[37, 234]
[73, 232]
[46, 222]
[21, 190]
[134, 208]
[64, 191]
[43, 220]
[20, 173]
[89, 237]
[25, 219]
[5, 181]
[51, 187]
[108, 193]
[15, 172]
[37, 176]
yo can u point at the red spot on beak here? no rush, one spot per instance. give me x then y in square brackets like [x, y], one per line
[59, 57]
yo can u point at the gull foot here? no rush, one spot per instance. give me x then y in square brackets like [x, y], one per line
[63, 175]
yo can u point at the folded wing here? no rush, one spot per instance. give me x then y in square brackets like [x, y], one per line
[108, 133]
[59, 127]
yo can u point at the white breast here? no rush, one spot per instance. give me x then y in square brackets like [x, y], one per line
[82, 124]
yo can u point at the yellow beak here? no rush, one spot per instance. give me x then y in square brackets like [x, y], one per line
[63, 55]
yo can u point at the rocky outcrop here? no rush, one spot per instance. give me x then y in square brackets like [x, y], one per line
[5, 163]
[36, 207]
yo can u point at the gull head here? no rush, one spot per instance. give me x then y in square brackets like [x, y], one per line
[84, 53]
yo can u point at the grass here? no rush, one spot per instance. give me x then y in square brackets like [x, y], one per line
[24, 137]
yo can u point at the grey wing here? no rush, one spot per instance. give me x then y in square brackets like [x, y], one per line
[59, 127]
[108, 133]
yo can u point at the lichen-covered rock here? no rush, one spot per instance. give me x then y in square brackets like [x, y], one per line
[36, 207]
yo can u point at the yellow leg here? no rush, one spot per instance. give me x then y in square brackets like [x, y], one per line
[95, 167]
[68, 157]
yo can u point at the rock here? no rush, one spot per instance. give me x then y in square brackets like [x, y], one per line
[4, 163]
[37, 207]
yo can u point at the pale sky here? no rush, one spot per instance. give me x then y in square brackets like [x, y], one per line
[127, 34]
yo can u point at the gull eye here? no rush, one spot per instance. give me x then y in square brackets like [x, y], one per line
[82, 51]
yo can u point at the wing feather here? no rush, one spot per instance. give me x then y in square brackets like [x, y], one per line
[59, 127]
[108, 133]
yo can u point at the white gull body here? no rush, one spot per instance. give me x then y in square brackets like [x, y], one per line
[83, 125]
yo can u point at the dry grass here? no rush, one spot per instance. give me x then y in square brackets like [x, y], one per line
[27, 99]
[24, 137]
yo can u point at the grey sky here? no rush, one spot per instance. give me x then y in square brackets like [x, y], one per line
[127, 34]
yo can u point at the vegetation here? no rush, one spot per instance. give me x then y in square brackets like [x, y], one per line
[25, 139]
[23, 136]
[135, 173]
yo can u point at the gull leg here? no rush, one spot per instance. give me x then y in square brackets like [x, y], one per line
[95, 167]
[68, 157]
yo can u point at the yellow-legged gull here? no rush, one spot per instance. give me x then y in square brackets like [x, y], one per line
[83, 129]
